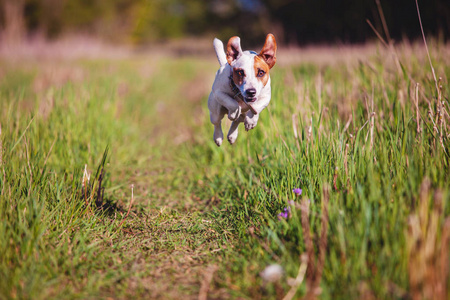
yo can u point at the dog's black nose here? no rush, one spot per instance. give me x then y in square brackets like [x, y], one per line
[251, 92]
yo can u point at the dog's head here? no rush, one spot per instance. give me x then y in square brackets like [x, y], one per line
[250, 69]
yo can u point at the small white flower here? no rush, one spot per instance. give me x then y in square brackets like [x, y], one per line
[272, 273]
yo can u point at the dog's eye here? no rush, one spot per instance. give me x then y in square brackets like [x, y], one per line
[261, 73]
[240, 73]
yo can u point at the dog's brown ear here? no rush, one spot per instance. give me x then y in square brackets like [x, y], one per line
[233, 49]
[269, 51]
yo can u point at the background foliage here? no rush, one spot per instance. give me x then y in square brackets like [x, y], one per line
[293, 21]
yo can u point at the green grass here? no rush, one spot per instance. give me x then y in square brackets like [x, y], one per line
[196, 205]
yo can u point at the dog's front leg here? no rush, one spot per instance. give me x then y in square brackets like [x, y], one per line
[234, 110]
[251, 119]
[233, 132]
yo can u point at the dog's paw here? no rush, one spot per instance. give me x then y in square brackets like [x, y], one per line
[234, 114]
[232, 137]
[218, 136]
[218, 141]
[249, 124]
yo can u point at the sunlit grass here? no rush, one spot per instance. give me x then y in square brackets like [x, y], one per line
[345, 130]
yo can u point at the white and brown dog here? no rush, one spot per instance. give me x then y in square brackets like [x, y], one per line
[241, 87]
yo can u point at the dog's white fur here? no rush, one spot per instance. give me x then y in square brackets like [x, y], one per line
[252, 86]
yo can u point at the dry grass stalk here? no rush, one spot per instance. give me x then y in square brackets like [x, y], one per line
[129, 208]
[48, 155]
[1, 147]
[446, 112]
[279, 134]
[427, 253]
[417, 109]
[370, 120]
[428, 52]
[347, 125]
[324, 218]
[29, 166]
[319, 89]
[377, 33]
[440, 113]
[389, 44]
[372, 123]
[315, 267]
[304, 207]
[346, 159]
[431, 115]
[440, 109]
[441, 286]
[322, 241]
[383, 20]
[264, 244]
[336, 169]
[294, 127]
[299, 279]
[85, 183]
[1, 160]
[20, 138]
[209, 273]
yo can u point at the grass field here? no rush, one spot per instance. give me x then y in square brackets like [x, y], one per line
[166, 214]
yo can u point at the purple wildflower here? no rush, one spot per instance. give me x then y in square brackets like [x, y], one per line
[297, 191]
[284, 214]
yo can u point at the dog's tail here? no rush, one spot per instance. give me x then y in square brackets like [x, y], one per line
[218, 47]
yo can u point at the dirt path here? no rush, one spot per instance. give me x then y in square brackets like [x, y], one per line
[174, 247]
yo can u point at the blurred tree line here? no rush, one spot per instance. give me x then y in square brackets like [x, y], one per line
[292, 21]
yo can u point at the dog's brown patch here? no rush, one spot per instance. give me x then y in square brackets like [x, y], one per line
[238, 76]
[260, 67]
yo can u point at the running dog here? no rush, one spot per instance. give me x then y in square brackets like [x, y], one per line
[241, 88]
